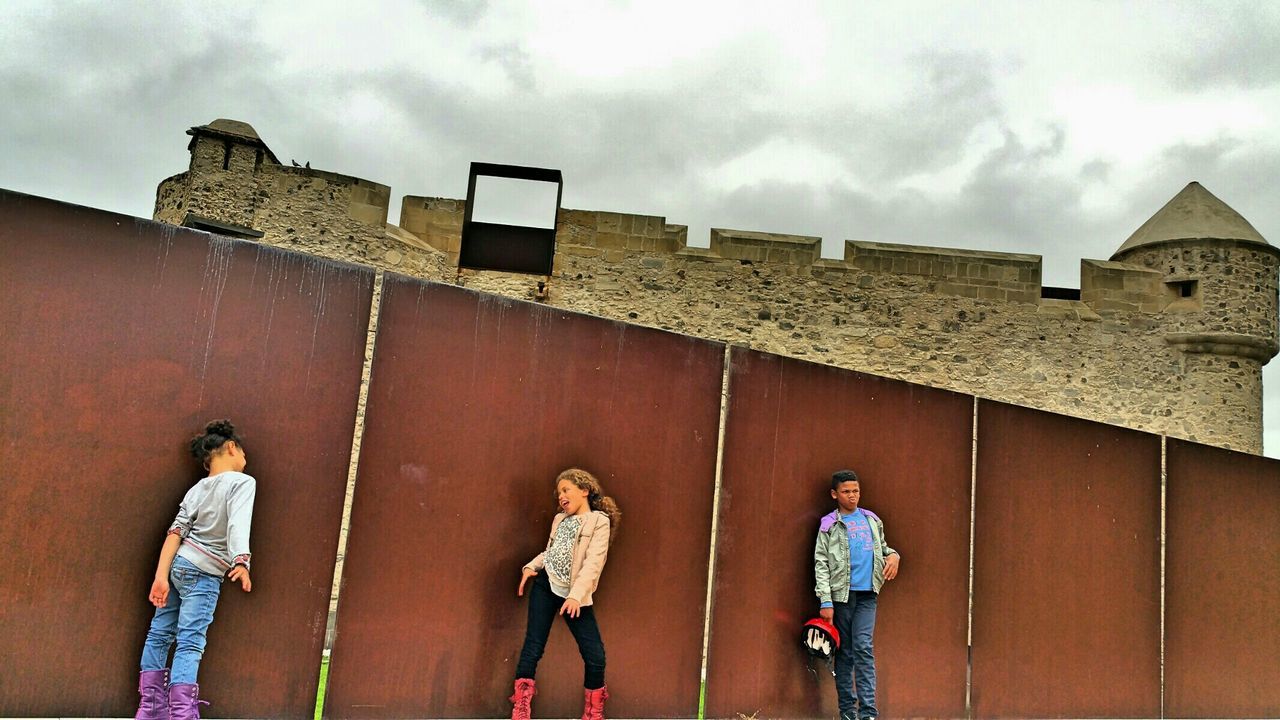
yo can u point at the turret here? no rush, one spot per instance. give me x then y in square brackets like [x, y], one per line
[1220, 312]
[219, 192]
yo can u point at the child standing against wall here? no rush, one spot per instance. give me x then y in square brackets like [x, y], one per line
[851, 561]
[207, 542]
[575, 555]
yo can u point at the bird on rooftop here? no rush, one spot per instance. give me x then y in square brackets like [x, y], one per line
[295, 162]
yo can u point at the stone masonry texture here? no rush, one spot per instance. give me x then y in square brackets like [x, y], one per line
[1168, 337]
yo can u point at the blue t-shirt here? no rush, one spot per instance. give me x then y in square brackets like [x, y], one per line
[861, 550]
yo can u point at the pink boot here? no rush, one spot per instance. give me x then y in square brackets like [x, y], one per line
[523, 699]
[184, 701]
[593, 703]
[153, 687]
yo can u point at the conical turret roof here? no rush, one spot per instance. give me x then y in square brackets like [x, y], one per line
[1192, 214]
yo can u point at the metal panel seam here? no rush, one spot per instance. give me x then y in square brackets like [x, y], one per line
[973, 504]
[1164, 486]
[353, 465]
[715, 526]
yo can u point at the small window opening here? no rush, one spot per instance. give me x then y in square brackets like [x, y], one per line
[226, 155]
[257, 161]
[1059, 293]
[1184, 288]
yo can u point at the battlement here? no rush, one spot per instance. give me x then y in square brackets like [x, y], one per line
[368, 202]
[615, 237]
[1013, 277]
[1107, 285]
[612, 237]
[1169, 335]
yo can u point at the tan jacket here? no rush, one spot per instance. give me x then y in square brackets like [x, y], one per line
[590, 551]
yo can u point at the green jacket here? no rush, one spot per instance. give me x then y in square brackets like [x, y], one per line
[831, 557]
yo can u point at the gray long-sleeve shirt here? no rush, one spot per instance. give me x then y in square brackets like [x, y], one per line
[213, 521]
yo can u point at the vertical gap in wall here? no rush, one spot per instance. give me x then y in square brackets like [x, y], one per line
[715, 528]
[1164, 484]
[973, 503]
[357, 438]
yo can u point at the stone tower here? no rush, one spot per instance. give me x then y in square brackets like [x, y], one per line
[1220, 281]
[219, 192]
[236, 186]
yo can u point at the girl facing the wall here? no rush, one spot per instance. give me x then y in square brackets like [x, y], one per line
[564, 577]
[207, 542]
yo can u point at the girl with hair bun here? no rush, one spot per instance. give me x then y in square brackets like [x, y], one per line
[207, 542]
[575, 555]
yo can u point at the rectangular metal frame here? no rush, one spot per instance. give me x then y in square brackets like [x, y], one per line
[509, 248]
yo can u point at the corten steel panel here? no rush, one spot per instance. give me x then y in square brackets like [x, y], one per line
[120, 338]
[476, 403]
[790, 425]
[1066, 594]
[1222, 583]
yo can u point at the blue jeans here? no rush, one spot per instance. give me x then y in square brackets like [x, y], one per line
[856, 659]
[185, 618]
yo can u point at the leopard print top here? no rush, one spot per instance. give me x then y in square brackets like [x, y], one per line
[559, 557]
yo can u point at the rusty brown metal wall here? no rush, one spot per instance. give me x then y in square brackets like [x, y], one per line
[1066, 608]
[476, 403]
[120, 338]
[790, 425]
[1222, 584]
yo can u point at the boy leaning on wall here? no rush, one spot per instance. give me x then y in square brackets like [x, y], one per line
[851, 562]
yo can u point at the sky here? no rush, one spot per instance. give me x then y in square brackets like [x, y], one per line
[1051, 128]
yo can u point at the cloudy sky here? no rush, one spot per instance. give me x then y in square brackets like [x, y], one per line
[1047, 128]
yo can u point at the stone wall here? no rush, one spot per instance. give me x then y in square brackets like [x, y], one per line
[313, 211]
[329, 214]
[1234, 286]
[974, 322]
[1170, 339]
[230, 194]
[171, 199]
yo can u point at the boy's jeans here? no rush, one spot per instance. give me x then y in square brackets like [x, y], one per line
[185, 617]
[855, 660]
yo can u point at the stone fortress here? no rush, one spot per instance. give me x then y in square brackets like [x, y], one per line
[1168, 336]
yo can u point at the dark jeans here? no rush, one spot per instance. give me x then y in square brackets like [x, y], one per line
[856, 660]
[543, 606]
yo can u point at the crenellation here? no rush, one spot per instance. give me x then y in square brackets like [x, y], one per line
[1169, 335]
[1009, 277]
[171, 199]
[438, 221]
[765, 247]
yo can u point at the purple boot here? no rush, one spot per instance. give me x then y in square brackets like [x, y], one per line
[184, 701]
[154, 704]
